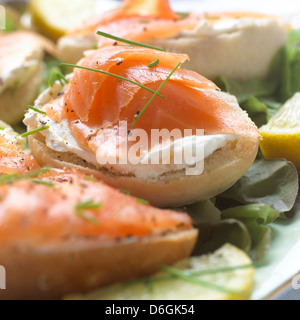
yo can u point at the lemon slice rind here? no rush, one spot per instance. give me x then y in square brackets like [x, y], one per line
[235, 284]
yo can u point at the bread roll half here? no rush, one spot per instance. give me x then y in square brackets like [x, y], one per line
[21, 72]
[83, 265]
[221, 169]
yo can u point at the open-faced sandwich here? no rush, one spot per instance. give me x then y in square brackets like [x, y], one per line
[139, 125]
[21, 72]
[64, 232]
[85, 124]
[239, 45]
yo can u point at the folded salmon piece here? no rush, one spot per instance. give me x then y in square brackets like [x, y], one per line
[238, 45]
[119, 89]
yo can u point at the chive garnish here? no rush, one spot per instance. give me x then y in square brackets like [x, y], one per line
[88, 205]
[35, 173]
[36, 110]
[94, 47]
[193, 273]
[170, 276]
[184, 15]
[26, 134]
[132, 43]
[207, 17]
[2, 128]
[144, 21]
[125, 191]
[155, 94]
[57, 75]
[110, 74]
[153, 64]
[92, 179]
[142, 201]
[45, 183]
[10, 178]
[190, 278]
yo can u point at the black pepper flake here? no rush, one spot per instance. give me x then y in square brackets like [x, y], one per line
[118, 239]
[115, 43]
[66, 104]
[119, 62]
[72, 111]
[165, 233]
[153, 219]
[83, 185]
[181, 225]
[67, 109]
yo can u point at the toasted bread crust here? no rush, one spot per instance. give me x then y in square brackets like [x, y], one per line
[86, 264]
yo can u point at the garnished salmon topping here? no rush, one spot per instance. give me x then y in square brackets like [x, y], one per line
[144, 20]
[13, 159]
[59, 205]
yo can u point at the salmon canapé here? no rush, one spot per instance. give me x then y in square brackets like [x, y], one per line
[144, 20]
[117, 99]
[69, 233]
[13, 158]
[219, 43]
[21, 72]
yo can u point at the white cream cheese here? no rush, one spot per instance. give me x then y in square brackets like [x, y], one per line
[17, 68]
[241, 48]
[59, 138]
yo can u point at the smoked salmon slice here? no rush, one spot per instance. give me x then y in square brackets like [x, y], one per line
[144, 20]
[64, 232]
[60, 204]
[95, 103]
[139, 91]
[140, 20]
[12, 157]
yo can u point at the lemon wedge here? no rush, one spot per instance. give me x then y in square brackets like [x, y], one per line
[55, 18]
[281, 135]
[227, 274]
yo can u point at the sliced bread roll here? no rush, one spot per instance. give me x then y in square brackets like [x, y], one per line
[238, 45]
[21, 72]
[230, 142]
[67, 234]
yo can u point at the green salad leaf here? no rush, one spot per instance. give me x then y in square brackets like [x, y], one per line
[212, 235]
[271, 182]
[53, 68]
[255, 217]
[243, 215]
[257, 110]
[290, 80]
[261, 98]
[246, 227]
